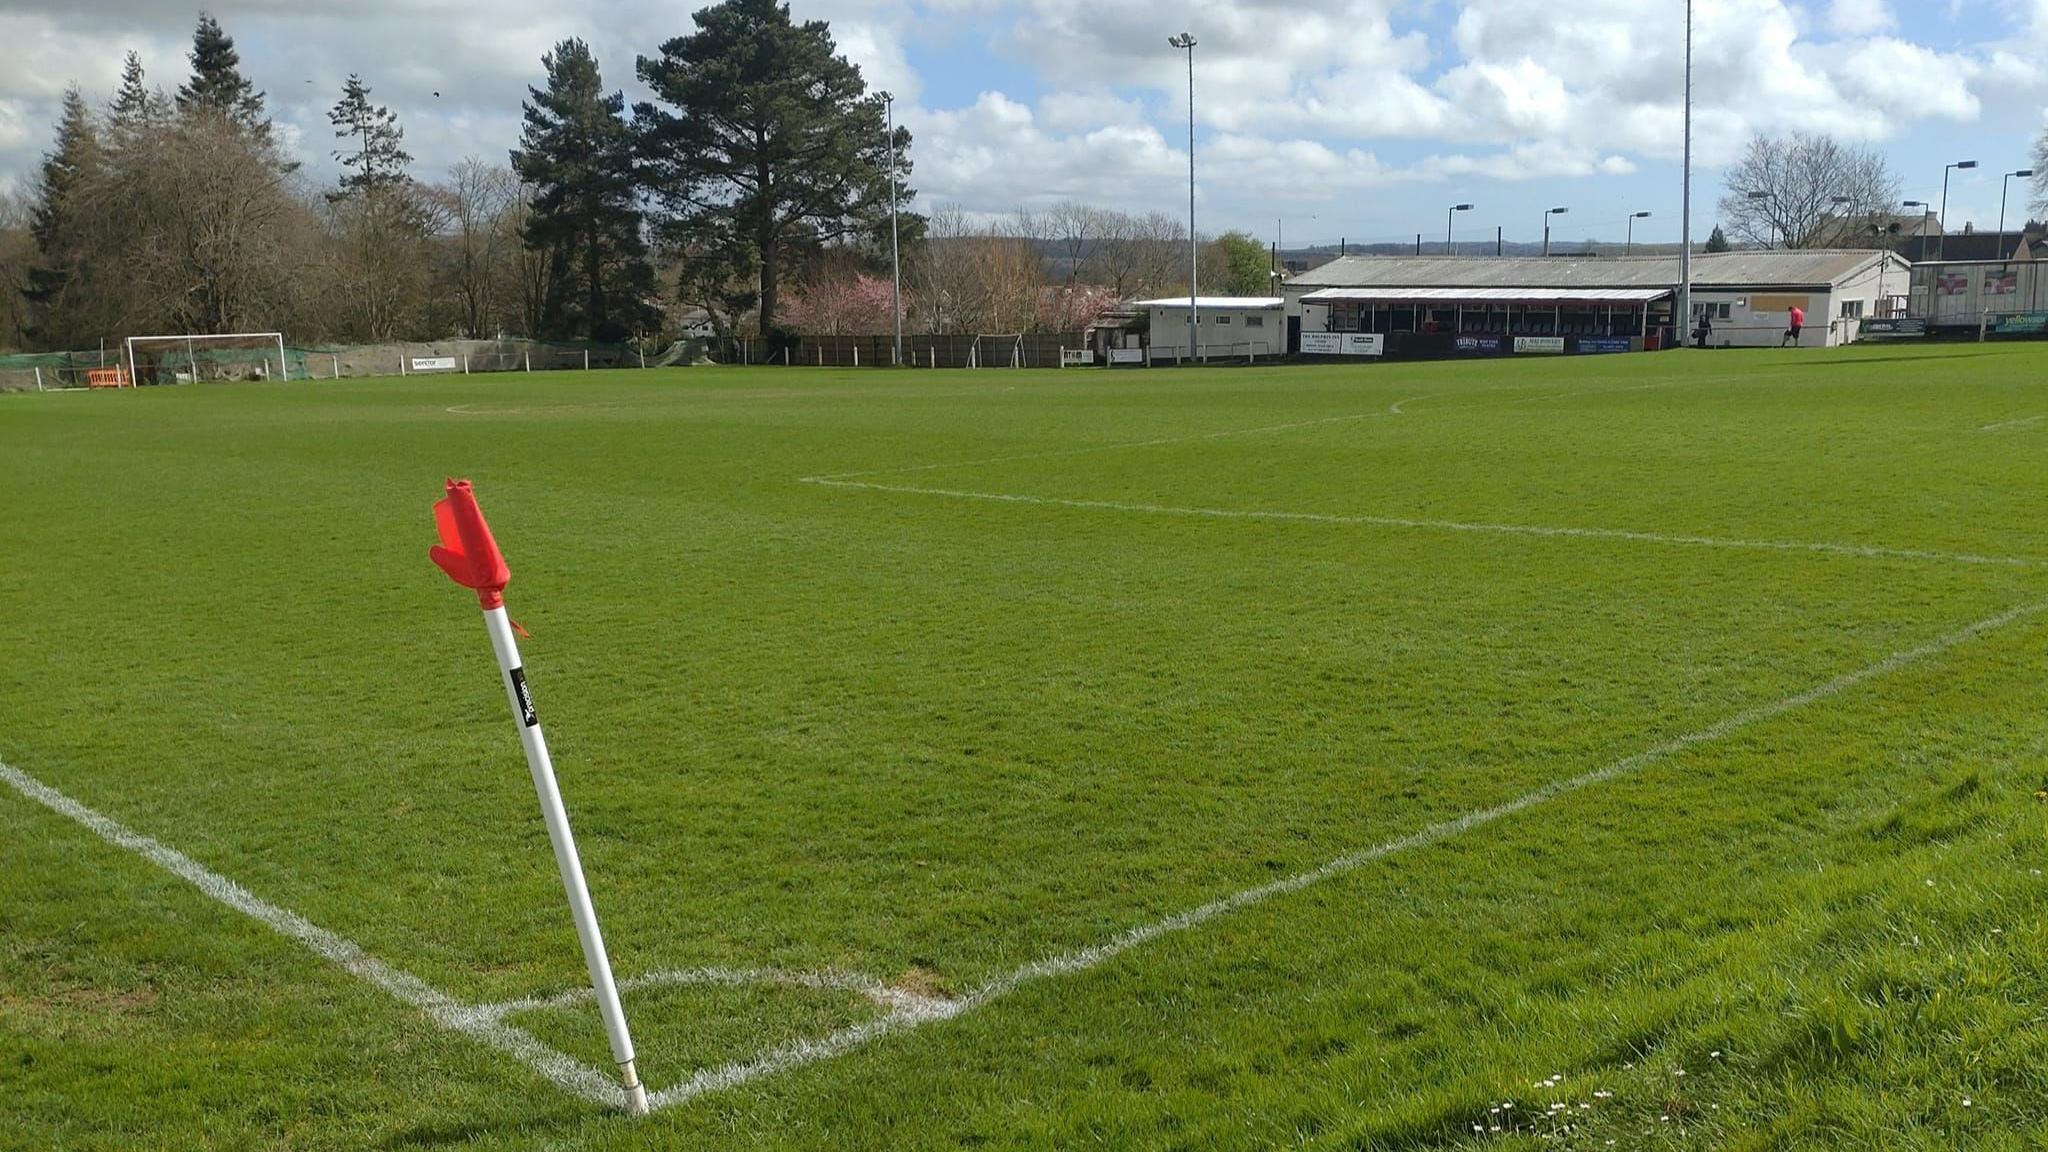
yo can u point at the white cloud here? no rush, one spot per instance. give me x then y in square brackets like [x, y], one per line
[1861, 17]
[1298, 102]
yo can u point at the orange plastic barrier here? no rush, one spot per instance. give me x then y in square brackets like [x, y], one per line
[106, 378]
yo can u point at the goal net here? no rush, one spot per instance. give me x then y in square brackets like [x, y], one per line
[185, 359]
[998, 350]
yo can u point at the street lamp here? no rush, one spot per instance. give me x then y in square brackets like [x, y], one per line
[1630, 247]
[895, 253]
[1941, 242]
[2004, 186]
[1448, 216]
[1920, 228]
[1548, 213]
[1771, 233]
[1186, 43]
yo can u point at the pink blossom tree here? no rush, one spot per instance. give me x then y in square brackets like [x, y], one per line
[855, 306]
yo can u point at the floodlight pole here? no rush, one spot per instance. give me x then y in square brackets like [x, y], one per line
[895, 253]
[2004, 190]
[1684, 317]
[1186, 42]
[1450, 248]
[470, 557]
[1547, 214]
[1941, 241]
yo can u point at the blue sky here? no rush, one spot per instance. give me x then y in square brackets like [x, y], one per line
[1361, 119]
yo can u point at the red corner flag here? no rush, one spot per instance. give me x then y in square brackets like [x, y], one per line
[467, 553]
[470, 557]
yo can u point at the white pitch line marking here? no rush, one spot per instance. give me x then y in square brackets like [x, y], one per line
[1160, 442]
[1482, 527]
[796, 1055]
[2020, 423]
[893, 999]
[444, 1010]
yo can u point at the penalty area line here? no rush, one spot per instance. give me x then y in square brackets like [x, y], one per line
[446, 1011]
[1467, 526]
[796, 1055]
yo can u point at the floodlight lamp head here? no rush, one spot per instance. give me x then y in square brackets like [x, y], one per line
[467, 553]
[1461, 207]
[1557, 211]
[1966, 164]
[1184, 40]
[2024, 172]
[1641, 216]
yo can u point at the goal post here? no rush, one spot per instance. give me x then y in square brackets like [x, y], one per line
[181, 357]
[997, 350]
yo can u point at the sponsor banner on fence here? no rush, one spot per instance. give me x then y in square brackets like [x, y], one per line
[1951, 284]
[433, 363]
[1126, 355]
[1604, 344]
[1478, 344]
[1550, 345]
[1892, 326]
[2020, 323]
[2003, 284]
[1343, 344]
[1076, 358]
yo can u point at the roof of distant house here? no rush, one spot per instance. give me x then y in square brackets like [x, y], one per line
[1219, 302]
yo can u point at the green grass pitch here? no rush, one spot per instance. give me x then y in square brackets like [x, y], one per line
[1673, 723]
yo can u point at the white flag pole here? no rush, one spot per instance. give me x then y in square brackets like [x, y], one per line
[566, 858]
[470, 556]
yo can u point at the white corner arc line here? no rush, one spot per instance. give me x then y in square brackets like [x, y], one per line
[2020, 423]
[822, 980]
[444, 1010]
[1471, 526]
[793, 1056]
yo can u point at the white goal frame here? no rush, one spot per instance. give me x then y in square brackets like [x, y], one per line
[192, 341]
[1014, 342]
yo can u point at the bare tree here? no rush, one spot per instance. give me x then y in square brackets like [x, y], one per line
[1791, 191]
[2040, 200]
[481, 199]
[211, 229]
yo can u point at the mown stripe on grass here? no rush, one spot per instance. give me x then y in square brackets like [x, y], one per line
[1470, 526]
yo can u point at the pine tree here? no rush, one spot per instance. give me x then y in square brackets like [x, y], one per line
[1718, 240]
[576, 152]
[376, 160]
[131, 100]
[135, 108]
[773, 141]
[58, 222]
[217, 82]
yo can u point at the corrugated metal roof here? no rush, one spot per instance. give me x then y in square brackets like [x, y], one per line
[1241, 302]
[1490, 295]
[1801, 268]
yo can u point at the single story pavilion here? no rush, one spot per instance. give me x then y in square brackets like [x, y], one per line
[1425, 305]
[1229, 327]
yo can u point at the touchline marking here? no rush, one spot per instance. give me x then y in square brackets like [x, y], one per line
[796, 1055]
[444, 1010]
[1541, 530]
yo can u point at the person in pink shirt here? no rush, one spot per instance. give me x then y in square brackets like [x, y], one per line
[1797, 316]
